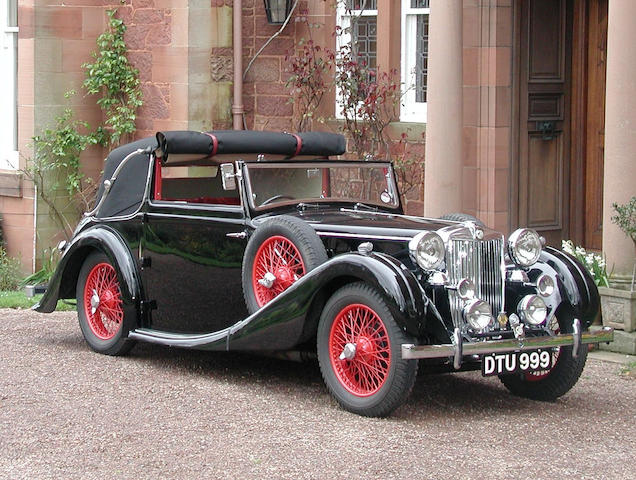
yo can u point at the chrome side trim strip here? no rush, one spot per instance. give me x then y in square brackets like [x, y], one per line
[358, 235]
[410, 351]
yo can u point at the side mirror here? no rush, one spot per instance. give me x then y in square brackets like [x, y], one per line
[228, 177]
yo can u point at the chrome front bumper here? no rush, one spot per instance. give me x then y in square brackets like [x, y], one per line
[459, 348]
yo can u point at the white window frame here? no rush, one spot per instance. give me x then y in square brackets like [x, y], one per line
[8, 100]
[411, 110]
[343, 20]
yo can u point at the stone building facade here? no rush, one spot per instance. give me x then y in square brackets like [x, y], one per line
[528, 102]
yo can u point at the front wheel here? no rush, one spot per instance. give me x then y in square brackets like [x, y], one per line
[359, 351]
[562, 374]
[103, 317]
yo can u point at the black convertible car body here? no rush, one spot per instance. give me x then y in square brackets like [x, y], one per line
[258, 241]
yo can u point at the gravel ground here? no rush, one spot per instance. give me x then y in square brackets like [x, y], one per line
[66, 412]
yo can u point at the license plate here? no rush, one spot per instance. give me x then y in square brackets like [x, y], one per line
[515, 362]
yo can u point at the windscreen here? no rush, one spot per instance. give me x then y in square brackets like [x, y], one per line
[355, 182]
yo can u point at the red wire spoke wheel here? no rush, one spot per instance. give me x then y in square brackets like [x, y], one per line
[279, 258]
[366, 371]
[280, 252]
[104, 317]
[102, 301]
[358, 343]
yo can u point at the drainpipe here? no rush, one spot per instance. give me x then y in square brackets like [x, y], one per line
[237, 42]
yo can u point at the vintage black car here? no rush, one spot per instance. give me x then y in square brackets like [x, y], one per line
[258, 241]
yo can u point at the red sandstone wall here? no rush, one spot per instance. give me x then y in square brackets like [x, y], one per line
[265, 96]
[156, 37]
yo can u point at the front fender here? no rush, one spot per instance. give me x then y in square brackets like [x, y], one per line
[282, 323]
[576, 285]
[102, 238]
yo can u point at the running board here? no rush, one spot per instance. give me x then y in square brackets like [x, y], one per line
[185, 340]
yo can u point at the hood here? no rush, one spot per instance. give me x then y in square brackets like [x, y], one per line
[348, 223]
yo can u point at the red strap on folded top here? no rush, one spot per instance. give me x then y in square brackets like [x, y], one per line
[215, 143]
[157, 189]
[299, 144]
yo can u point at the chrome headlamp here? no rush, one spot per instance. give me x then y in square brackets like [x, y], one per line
[478, 314]
[532, 309]
[524, 247]
[427, 249]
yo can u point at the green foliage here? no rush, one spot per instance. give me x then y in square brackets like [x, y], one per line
[625, 217]
[9, 271]
[56, 164]
[46, 272]
[58, 149]
[114, 78]
[594, 263]
[17, 299]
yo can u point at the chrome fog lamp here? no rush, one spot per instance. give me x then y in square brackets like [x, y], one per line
[478, 314]
[524, 247]
[532, 310]
[277, 11]
[427, 249]
[545, 285]
[466, 289]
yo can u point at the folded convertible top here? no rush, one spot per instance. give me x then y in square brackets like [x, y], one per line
[320, 144]
[127, 193]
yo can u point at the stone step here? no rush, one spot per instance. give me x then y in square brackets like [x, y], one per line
[624, 342]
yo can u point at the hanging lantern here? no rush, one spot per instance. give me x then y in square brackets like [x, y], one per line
[277, 11]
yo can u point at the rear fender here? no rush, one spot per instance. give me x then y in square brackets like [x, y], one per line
[100, 238]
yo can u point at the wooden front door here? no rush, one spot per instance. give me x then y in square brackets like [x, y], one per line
[561, 107]
[544, 118]
[595, 123]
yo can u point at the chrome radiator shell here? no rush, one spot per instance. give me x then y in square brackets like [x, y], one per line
[479, 260]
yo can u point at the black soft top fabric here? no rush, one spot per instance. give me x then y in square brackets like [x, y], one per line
[320, 144]
[128, 191]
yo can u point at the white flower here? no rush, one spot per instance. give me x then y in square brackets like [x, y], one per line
[567, 247]
[580, 251]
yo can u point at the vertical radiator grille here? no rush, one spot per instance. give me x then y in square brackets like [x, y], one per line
[479, 261]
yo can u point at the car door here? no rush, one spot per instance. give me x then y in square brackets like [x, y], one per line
[192, 251]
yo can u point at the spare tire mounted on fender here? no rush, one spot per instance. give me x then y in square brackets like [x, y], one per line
[279, 252]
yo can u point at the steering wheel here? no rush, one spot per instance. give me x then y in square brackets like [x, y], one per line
[276, 197]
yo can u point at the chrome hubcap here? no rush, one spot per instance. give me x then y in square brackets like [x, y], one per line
[94, 302]
[348, 352]
[268, 280]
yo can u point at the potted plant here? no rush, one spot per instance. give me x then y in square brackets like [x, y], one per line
[618, 301]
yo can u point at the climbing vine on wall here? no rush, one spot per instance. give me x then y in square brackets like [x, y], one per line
[113, 77]
[55, 166]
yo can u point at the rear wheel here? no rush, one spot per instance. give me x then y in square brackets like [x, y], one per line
[103, 317]
[559, 378]
[359, 351]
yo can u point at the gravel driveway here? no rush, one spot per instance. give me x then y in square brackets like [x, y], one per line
[66, 412]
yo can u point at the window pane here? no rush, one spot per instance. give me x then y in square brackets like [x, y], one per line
[421, 60]
[194, 184]
[364, 37]
[359, 4]
[419, 4]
